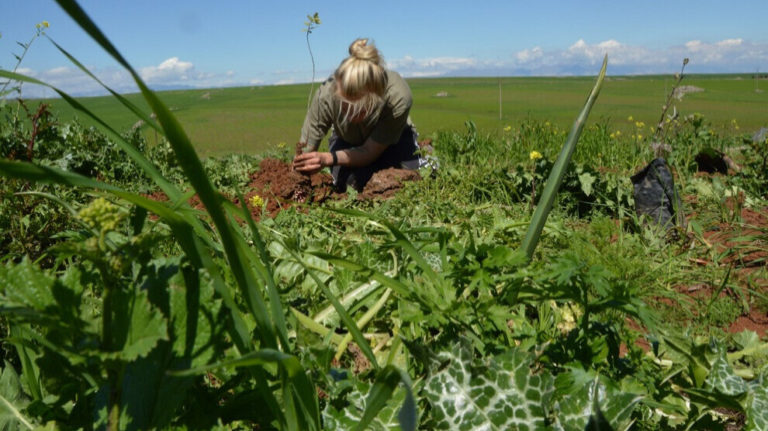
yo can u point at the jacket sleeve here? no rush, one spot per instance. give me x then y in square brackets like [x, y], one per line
[319, 119]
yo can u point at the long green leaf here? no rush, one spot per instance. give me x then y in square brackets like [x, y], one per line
[127, 103]
[558, 170]
[386, 382]
[264, 268]
[169, 189]
[400, 239]
[195, 173]
[183, 226]
[345, 317]
[256, 357]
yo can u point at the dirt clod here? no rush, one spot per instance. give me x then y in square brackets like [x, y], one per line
[384, 184]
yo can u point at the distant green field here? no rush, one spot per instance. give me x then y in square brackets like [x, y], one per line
[252, 119]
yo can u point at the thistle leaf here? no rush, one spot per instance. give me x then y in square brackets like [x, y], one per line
[722, 378]
[337, 417]
[757, 409]
[501, 393]
[594, 405]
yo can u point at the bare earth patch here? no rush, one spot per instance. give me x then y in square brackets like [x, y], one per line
[280, 187]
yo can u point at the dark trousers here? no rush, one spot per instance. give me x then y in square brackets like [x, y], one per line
[400, 155]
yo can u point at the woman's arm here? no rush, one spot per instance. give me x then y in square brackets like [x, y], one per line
[354, 157]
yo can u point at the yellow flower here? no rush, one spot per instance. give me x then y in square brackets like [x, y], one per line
[630, 119]
[281, 145]
[618, 133]
[613, 135]
[508, 129]
[639, 137]
[257, 201]
[639, 124]
[535, 155]
[45, 24]
[547, 124]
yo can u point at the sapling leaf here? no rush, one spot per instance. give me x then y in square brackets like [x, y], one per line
[586, 180]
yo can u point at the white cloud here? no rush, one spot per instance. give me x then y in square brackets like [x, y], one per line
[527, 55]
[25, 71]
[432, 66]
[171, 70]
[581, 57]
[733, 54]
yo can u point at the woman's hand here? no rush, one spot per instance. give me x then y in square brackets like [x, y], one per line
[310, 163]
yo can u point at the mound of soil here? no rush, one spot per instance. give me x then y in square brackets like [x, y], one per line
[385, 183]
[281, 187]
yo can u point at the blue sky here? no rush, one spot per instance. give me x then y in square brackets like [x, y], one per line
[198, 43]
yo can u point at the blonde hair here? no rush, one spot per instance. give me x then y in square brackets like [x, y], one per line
[361, 80]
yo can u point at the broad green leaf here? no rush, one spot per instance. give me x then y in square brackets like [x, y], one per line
[722, 378]
[500, 393]
[137, 326]
[595, 404]
[757, 407]
[12, 399]
[346, 413]
[25, 285]
[150, 395]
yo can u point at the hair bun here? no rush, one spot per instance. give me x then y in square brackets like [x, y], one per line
[361, 50]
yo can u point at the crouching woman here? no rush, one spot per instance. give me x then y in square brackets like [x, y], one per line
[366, 106]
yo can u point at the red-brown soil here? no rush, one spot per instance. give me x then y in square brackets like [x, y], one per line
[280, 187]
[384, 184]
[741, 245]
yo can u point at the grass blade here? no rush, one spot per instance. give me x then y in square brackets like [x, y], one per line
[195, 173]
[345, 317]
[387, 381]
[400, 239]
[186, 229]
[558, 171]
[127, 103]
[169, 189]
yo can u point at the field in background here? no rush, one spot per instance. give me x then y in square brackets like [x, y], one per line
[253, 119]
